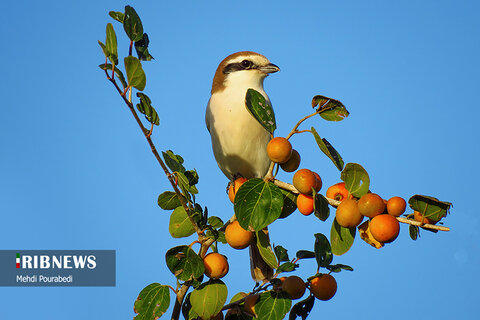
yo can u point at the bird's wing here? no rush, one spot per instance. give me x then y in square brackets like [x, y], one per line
[207, 116]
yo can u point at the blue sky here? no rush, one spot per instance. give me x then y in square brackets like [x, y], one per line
[76, 172]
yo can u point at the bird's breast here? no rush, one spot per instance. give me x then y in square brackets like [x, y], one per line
[238, 140]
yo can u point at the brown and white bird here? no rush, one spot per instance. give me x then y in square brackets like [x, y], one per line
[239, 142]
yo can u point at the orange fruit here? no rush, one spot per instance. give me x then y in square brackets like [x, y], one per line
[384, 228]
[292, 163]
[304, 180]
[396, 206]
[318, 185]
[348, 215]
[216, 265]
[233, 188]
[237, 237]
[279, 150]
[294, 286]
[370, 205]
[338, 192]
[323, 287]
[419, 217]
[305, 204]
[249, 306]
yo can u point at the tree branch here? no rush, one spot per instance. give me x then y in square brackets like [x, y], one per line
[170, 177]
[177, 308]
[422, 225]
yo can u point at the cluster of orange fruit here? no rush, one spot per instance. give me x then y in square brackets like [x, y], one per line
[322, 286]
[383, 225]
[216, 264]
[280, 151]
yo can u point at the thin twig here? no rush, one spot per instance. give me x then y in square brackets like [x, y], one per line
[294, 130]
[157, 156]
[422, 225]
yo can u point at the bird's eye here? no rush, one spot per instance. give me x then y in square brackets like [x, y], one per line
[246, 64]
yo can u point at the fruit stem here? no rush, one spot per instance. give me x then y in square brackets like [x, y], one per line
[295, 129]
[269, 176]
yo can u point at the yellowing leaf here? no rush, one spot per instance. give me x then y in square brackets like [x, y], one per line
[367, 236]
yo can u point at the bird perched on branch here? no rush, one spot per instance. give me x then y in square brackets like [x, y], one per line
[239, 141]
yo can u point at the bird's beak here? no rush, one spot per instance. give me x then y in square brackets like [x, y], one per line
[269, 68]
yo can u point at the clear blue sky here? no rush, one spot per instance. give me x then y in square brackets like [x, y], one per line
[76, 173]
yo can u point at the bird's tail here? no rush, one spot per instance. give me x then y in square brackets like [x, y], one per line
[261, 271]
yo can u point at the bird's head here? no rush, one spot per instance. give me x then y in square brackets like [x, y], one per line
[243, 68]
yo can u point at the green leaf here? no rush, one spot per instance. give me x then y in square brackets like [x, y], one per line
[173, 161]
[289, 203]
[195, 283]
[192, 177]
[257, 204]
[265, 249]
[208, 299]
[104, 49]
[281, 253]
[356, 179]
[215, 222]
[302, 309]
[117, 71]
[273, 305]
[333, 110]
[287, 267]
[187, 311]
[414, 232]
[341, 238]
[117, 15]
[321, 209]
[323, 250]
[168, 200]
[132, 24]
[217, 235]
[152, 302]
[328, 150]
[429, 207]
[305, 254]
[260, 109]
[238, 296]
[184, 263]
[339, 267]
[135, 74]
[111, 44]
[185, 184]
[180, 225]
[141, 47]
[145, 107]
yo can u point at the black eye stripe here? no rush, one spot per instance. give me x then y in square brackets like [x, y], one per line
[237, 66]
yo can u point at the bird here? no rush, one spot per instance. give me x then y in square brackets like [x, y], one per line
[239, 141]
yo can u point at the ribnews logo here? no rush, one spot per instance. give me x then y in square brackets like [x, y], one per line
[59, 262]
[57, 268]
